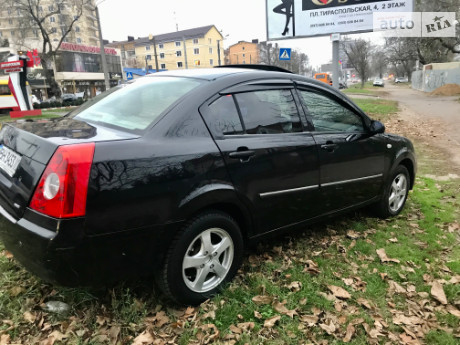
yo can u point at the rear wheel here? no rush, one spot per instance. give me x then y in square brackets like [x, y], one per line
[395, 193]
[204, 256]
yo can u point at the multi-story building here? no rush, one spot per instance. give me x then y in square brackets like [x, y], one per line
[192, 48]
[24, 34]
[243, 53]
[77, 64]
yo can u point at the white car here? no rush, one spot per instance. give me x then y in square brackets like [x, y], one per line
[378, 82]
[401, 80]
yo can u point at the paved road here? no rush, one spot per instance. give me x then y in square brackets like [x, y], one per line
[444, 110]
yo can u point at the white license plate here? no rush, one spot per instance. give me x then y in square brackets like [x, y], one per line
[9, 160]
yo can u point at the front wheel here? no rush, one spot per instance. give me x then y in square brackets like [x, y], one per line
[395, 193]
[204, 256]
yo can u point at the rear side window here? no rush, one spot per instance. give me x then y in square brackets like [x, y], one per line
[269, 112]
[222, 117]
[330, 116]
[135, 106]
[4, 90]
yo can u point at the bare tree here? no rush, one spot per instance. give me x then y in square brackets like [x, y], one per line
[379, 61]
[402, 53]
[359, 54]
[49, 23]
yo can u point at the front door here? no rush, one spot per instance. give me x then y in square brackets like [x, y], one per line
[351, 160]
[272, 162]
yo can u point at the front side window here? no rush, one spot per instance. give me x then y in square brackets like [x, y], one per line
[222, 117]
[330, 116]
[269, 112]
[135, 106]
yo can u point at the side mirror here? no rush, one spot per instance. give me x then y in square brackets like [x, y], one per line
[377, 127]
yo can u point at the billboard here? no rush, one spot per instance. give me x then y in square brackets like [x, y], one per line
[305, 18]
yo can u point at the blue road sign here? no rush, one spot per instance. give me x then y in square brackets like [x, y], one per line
[129, 75]
[285, 53]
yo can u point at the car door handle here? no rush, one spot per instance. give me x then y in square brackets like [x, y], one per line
[242, 154]
[329, 147]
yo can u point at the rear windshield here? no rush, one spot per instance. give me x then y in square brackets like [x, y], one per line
[135, 106]
[320, 76]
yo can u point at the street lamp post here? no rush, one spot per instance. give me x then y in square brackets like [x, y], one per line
[104, 61]
[152, 38]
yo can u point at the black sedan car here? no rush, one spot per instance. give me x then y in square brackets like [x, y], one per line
[172, 174]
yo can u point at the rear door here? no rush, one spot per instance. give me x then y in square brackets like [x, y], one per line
[273, 163]
[351, 160]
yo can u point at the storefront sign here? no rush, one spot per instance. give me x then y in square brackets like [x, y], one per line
[11, 70]
[85, 49]
[12, 64]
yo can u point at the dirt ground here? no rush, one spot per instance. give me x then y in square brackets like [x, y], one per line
[431, 121]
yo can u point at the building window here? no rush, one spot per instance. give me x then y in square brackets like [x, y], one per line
[63, 30]
[161, 46]
[179, 64]
[195, 41]
[78, 40]
[40, 8]
[244, 48]
[210, 40]
[162, 55]
[52, 19]
[77, 29]
[196, 51]
[178, 53]
[178, 44]
[244, 55]
[211, 62]
[75, 17]
[9, 11]
[210, 50]
[147, 47]
[197, 62]
[53, 30]
[35, 32]
[12, 33]
[163, 66]
[19, 12]
[150, 67]
[149, 57]
[51, 8]
[10, 21]
[1, 34]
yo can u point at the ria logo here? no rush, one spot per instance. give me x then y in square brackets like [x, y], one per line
[321, 2]
[439, 24]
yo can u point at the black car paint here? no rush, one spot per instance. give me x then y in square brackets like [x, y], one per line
[143, 188]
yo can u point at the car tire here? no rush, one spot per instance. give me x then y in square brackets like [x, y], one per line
[395, 193]
[203, 257]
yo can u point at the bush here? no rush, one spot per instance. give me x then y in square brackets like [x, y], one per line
[44, 105]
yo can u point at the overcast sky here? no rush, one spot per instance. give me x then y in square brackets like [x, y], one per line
[239, 19]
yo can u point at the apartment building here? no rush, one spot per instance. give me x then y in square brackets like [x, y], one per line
[78, 64]
[243, 53]
[193, 48]
[23, 34]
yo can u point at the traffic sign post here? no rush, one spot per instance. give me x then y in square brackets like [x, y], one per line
[285, 54]
[129, 75]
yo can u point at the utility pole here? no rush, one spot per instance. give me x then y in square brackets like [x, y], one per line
[104, 61]
[152, 38]
[335, 60]
[185, 52]
[218, 51]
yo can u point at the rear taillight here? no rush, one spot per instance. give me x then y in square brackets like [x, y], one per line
[62, 190]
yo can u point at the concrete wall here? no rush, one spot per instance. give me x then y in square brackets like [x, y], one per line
[430, 80]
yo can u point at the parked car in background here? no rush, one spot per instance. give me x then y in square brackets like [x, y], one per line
[378, 82]
[401, 80]
[173, 174]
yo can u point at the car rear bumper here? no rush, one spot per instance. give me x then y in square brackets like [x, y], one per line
[93, 261]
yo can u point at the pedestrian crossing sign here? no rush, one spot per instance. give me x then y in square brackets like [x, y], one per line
[129, 75]
[285, 53]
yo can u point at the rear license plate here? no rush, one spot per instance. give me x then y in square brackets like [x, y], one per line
[9, 160]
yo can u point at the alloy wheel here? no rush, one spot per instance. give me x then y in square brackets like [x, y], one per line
[398, 192]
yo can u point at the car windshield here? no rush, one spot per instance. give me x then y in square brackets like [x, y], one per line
[136, 105]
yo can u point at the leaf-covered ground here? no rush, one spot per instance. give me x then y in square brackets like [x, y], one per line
[354, 279]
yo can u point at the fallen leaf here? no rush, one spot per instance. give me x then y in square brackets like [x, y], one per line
[29, 317]
[257, 315]
[365, 303]
[310, 320]
[4, 339]
[145, 338]
[262, 299]
[246, 326]
[328, 326]
[281, 308]
[454, 311]
[294, 286]
[352, 234]
[339, 292]
[437, 292]
[350, 333]
[383, 256]
[269, 323]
